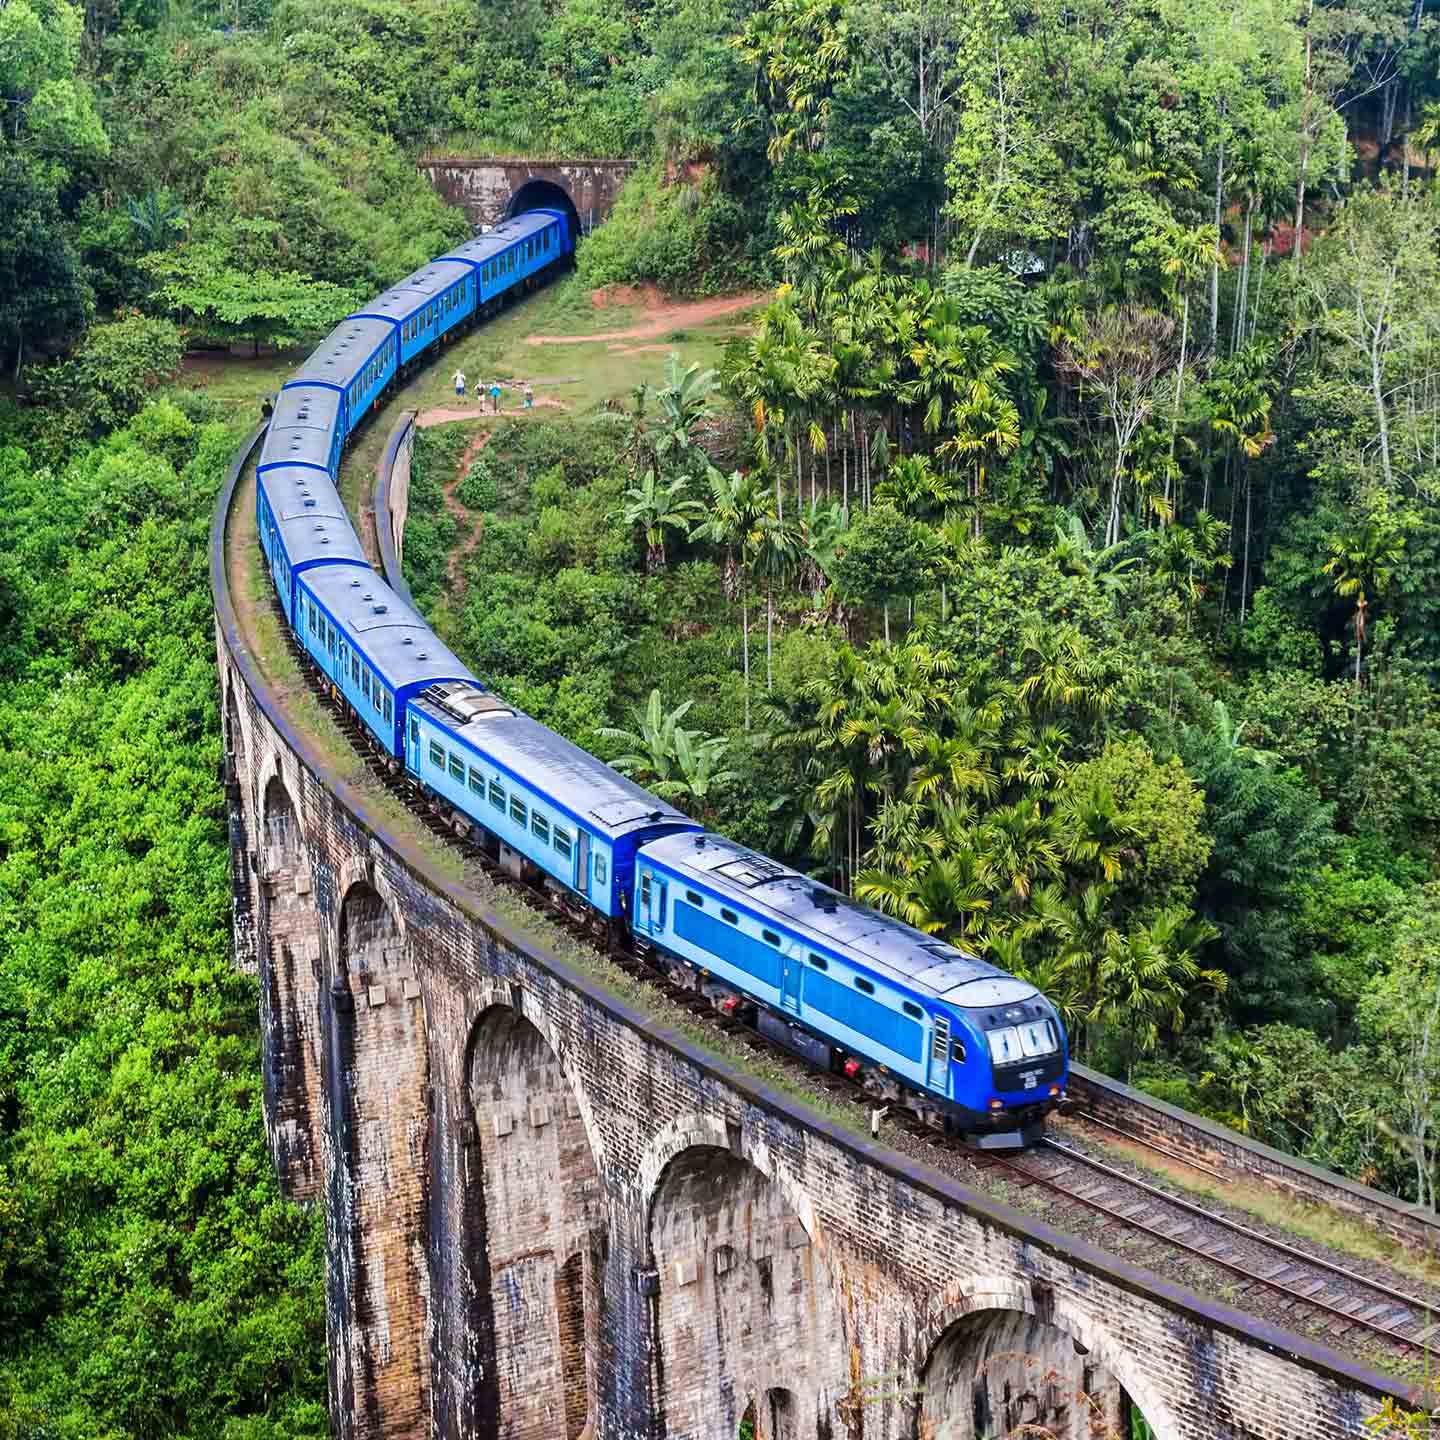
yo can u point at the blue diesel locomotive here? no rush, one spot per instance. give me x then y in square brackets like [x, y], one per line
[918, 1022]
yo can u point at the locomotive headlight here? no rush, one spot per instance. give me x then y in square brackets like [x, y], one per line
[997, 1104]
[1054, 1089]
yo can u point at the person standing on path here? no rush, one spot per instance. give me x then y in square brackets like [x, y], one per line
[460, 384]
[529, 396]
[495, 396]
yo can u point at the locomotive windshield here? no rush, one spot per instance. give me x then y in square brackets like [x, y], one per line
[1022, 1042]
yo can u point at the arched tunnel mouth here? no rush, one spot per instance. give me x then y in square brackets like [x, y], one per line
[544, 195]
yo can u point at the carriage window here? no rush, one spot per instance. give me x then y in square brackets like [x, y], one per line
[694, 899]
[437, 756]
[414, 732]
[864, 985]
[457, 768]
[770, 937]
[477, 782]
[914, 1010]
[389, 709]
[517, 810]
[819, 961]
[540, 827]
[599, 869]
[730, 916]
[562, 843]
[645, 888]
[497, 796]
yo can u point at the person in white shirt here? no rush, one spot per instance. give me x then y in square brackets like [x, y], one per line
[460, 383]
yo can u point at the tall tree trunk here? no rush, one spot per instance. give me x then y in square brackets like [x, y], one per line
[745, 645]
[1304, 140]
[769, 632]
[1215, 263]
[886, 608]
[1245, 567]
[1259, 286]
[1175, 418]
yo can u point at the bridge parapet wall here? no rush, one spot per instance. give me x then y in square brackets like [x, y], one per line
[1192, 1137]
[577, 1192]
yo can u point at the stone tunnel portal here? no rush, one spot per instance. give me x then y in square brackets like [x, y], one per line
[544, 195]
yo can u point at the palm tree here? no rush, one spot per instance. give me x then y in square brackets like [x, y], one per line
[775, 555]
[681, 401]
[657, 506]
[154, 215]
[740, 505]
[1362, 562]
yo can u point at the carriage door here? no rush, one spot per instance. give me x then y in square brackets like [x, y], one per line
[582, 863]
[790, 983]
[940, 1055]
[414, 745]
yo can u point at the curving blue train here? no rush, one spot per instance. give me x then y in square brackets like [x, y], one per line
[918, 1022]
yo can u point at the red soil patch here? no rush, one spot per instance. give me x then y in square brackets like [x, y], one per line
[661, 314]
[444, 414]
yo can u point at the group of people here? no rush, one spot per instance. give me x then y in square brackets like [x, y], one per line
[495, 392]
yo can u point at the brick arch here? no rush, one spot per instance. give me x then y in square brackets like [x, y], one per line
[377, 1068]
[288, 952]
[535, 1233]
[1034, 1339]
[745, 1309]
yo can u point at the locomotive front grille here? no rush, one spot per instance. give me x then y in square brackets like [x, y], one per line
[1035, 1074]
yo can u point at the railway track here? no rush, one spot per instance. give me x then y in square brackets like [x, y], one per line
[1339, 1301]
[1300, 1287]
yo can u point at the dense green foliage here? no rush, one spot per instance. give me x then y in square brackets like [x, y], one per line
[152, 1281]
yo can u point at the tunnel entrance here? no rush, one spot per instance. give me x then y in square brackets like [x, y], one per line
[544, 195]
[1006, 1373]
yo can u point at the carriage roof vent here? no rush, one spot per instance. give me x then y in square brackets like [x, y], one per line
[309, 503]
[355, 585]
[421, 655]
[408, 640]
[656, 815]
[381, 609]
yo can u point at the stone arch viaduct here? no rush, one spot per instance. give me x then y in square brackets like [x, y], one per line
[548, 1219]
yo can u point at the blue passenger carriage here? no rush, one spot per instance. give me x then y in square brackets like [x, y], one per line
[425, 306]
[983, 1048]
[302, 524]
[356, 360]
[544, 800]
[505, 257]
[304, 430]
[376, 650]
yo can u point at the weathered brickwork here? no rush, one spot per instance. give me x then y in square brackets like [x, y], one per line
[549, 1217]
[485, 189]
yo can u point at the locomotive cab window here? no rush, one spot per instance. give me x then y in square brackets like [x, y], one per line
[599, 869]
[957, 1051]
[864, 986]
[414, 732]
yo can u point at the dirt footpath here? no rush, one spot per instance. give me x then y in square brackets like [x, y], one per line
[660, 314]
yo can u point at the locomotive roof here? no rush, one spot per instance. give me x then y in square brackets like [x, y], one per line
[289, 444]
[341, 354]
[402, 300]
[392, 635]
[482, 247]
[816, 911]
[606, 800]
